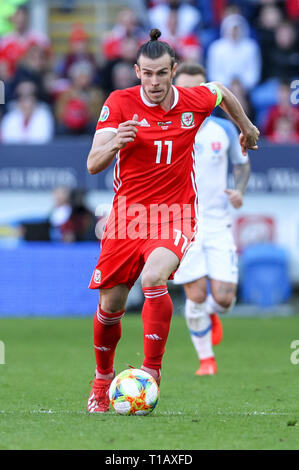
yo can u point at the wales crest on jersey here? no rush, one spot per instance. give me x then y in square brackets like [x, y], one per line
[187, 120]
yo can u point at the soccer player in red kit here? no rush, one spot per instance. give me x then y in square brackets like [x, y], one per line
[150, 130]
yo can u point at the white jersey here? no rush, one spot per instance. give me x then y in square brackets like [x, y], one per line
[213, 252]
[216, 141]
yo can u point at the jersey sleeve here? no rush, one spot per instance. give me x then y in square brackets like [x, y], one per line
[110, 116]
[215, 91]
[208, 96]
[234, 150]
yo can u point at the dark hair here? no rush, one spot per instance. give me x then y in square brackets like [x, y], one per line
[190, 69]
[153, 49]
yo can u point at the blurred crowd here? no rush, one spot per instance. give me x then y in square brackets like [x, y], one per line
[70, 220]
[251, 46]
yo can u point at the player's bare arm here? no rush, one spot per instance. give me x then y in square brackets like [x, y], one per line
[231, 105]
[106, 145]
[241, 176]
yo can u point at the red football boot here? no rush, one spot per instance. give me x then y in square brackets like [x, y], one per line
[217, 330]
[98, 401]
[207, 367]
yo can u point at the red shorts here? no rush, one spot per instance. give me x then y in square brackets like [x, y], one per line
[122, 259]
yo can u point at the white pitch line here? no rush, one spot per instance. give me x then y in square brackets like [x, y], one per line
[159, 413]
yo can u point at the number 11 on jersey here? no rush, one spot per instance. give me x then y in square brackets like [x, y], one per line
[159, 144]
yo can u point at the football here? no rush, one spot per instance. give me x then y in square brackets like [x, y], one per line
[133, 392]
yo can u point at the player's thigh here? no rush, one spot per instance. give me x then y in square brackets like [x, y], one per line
[221, 257]
[223, 292]
[114, 299]
[192, 266]
[158, 267]
[196, 290]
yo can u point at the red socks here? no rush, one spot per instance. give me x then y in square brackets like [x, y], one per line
[156, 317]
[106, 334]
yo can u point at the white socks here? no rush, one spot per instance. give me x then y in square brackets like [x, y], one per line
[199, 324]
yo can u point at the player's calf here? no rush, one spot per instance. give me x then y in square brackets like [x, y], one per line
[223, 303]
[156, 318]
[199, 325]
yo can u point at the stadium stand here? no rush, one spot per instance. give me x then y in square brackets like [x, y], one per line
[69, 55]
[106, 35]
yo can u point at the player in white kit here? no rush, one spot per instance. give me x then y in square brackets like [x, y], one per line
[213, 255]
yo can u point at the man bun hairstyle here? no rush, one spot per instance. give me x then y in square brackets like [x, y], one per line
[155, 34]
[154, 49]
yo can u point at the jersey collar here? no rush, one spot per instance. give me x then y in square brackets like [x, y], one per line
[151, 105]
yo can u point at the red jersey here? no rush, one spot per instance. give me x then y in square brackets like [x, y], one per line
[158, 167]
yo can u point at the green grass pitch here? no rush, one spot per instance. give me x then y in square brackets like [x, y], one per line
[252, 403]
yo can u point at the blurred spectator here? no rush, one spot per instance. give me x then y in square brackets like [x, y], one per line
[70, 219]
[283, 61]
[248, 8]
[79, 50]
[187, 46]
[126, 26]
[61, 211]
[242, 96]
[282, 122]
[269, 19]
[31, 67]
[14, 46]
[127, 57]
[29, 121]
[81, 224]
[77, 108]
[54, 85]
[123, 76]
[188, 17]
[235, 55]
[284, 131]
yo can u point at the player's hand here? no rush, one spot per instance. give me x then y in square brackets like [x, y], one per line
[127, 132]
[248, 140]
[235, 197]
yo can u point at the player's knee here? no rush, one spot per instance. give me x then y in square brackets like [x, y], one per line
[195, 292]
[225, 299]
[111, 305]
[197, 297]
[151, 278]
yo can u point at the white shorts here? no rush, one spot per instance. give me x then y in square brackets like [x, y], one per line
[214, 256]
